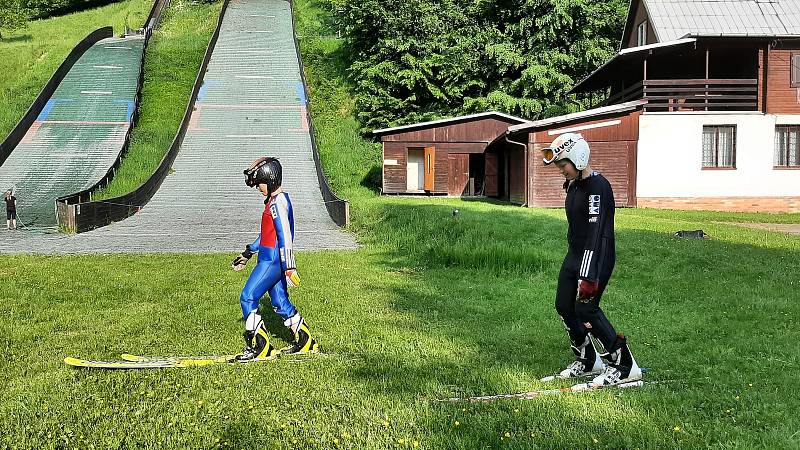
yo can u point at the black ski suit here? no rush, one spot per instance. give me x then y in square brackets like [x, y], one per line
[591, 256]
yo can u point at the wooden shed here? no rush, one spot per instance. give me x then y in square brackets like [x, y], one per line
[446, 157]
[612, 133]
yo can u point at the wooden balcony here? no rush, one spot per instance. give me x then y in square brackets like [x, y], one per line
[692, 95]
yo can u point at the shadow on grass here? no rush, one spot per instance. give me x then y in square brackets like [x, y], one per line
[481, 288]
[16, 38]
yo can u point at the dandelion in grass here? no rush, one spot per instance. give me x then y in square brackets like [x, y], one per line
[456, 423]
[335, 441]
[345, 435]
[595, 440]
[415, 444]
[385, 424]
[677, 429]
[737, 398]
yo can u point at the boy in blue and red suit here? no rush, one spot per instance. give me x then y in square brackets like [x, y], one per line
[275, 270]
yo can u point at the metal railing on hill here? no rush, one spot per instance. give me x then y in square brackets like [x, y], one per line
[25, 123]
[153, 21]
[77, 213]
[338, 209]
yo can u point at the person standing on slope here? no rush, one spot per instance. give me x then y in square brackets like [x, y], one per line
[587, 267]
[275, 269]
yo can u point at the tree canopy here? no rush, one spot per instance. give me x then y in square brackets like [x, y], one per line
[414, 60]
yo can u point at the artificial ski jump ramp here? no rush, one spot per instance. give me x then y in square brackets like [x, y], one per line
[252, 103]
[80, 132]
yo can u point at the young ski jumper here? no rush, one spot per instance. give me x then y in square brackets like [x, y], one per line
[588, 266]
[11, 210]
[275, 269]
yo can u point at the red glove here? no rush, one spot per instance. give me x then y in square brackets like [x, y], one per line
[587, 289]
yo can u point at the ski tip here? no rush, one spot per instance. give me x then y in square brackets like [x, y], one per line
[70, 361]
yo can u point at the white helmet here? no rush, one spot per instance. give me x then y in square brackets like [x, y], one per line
[571, 146]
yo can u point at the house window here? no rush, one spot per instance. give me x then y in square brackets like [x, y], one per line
[787, 146]
[641, 34]
[719, 146]
[795, 75]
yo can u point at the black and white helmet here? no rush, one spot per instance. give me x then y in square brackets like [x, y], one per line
[266, 170]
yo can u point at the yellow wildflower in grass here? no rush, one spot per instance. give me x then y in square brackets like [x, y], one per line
[737, 397]
[385, 424]
[507, 434]
[345, 435]
[401, 441]
[415, 444]
[457, 423]
[595, 440]
[335, 441]
[676, 429]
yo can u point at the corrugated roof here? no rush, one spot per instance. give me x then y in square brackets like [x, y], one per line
[578, 115]
[674, 19]
[450, 120]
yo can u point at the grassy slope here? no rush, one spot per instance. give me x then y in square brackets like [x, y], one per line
[171, 64]
[29, 57]
[434, 305]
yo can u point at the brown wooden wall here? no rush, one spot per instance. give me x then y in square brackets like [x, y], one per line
[453, 143]
[516, 175]
[474, 131]
[781, 97]
[613, 154]
[641, 14]
[394, 177]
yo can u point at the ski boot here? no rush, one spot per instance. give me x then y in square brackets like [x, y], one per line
[620, 367]
[257, 346]
[303, 342]
[587, 361]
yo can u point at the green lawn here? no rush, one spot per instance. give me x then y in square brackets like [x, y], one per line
[29, 56]
[433, 305]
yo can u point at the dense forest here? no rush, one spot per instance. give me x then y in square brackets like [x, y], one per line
[415, 60]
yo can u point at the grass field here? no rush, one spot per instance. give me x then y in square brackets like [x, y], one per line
[433, 305]
[29, 56]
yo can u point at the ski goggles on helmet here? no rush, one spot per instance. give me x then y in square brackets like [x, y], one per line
[251, 178]
[551, 154]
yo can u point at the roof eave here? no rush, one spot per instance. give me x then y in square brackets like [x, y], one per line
[613, 109]
[409, 127]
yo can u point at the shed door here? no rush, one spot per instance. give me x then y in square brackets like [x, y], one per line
[414, 169]
[458, 176]
[430, 160]
[490, 183]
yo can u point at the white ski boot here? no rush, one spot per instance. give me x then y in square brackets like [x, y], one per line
[587, 361]
[621, 367]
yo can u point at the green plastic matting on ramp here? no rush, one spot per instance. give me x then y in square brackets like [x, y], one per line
[80, 132]
[252, 103]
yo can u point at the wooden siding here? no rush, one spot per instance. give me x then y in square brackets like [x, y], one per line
[641, 14]
[474, 131]
[613, 154]
[459, 173]
[516, 176]
[491, 177]
[781, 97]
[394, 176]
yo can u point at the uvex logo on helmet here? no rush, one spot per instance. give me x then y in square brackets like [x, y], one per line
[570, 146]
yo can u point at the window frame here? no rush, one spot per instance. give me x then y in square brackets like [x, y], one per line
[641, 33]
[717, 128]
[788, 129]
[794, 69]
